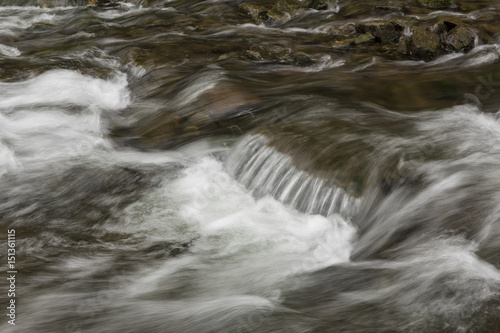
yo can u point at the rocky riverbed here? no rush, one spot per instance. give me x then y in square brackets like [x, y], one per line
[306, 166]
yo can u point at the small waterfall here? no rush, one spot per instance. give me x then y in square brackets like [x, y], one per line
[262, 169]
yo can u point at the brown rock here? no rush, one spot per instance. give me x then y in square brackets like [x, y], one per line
[383, 31]
[424, 44]
[459, 39]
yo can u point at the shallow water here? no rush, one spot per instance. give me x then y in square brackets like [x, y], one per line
[177, 166]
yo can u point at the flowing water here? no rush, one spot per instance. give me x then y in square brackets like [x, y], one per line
[179, 166]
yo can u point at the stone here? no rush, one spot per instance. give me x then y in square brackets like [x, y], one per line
[404, 45]
[271, 52]
[102, 3]
[439, 4]
[224, 102]
[424, 44]
[383, 31]
[319, 4]
[364, 39]
[284, 10]
[391, 8]
[459, 39]
[443, 27]
[253, 55]
[257, 13]
[302, 59]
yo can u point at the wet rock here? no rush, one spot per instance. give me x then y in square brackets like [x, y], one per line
[405, 22]
[342, 32]
[383, 31]
[290, 6]
[253, 55]
[103, 3]
[271, 52]
[438, 4]
[391, 8]
[257, 13]
[40, 26]
[284, 10]
[423, 44]
[228, 55]
[456, 36]
[443, 27]
[166, 249]
[217, 110]
[225, 102]
[404, 45]
[355, 9]
[302, 59]
[459, 39]
[319, 4]
[364, 39]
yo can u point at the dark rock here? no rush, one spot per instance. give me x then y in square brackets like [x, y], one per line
[224, 102]
[404, 21]
[302, 59]
[392, 8]
[290, 6]
[103, 3]
[424, 44]
[284, 10]
[319, 4]
[404, 45]
[383, 31]
[443, 27]
[365, 39]
[272, 52]
[344, 31]
[253, 55]
[438, 4]
[459, 39]
[257, 13]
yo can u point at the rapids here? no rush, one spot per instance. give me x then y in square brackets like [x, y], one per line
[192, 166]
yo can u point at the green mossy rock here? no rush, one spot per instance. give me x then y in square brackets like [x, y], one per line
[364, 39]
[424, 44]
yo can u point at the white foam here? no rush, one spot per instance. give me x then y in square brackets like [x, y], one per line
[231, 227]
[10, 23]
[36, 136]
[66, 87]
[9, 51]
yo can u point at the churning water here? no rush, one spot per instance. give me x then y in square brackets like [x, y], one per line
[173, 166]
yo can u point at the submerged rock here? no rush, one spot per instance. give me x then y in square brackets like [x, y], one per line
[216, 110]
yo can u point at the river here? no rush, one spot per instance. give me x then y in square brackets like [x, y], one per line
[225, 166]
